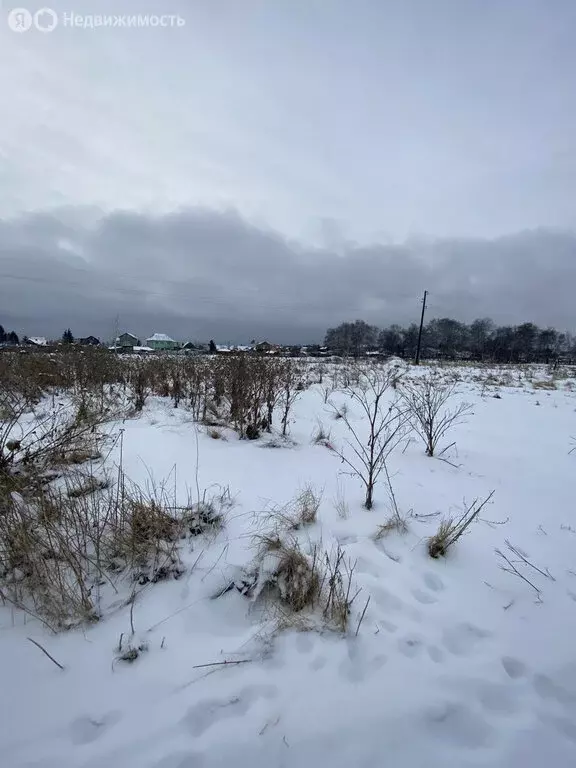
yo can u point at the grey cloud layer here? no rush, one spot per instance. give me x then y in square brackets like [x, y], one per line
[199, 273]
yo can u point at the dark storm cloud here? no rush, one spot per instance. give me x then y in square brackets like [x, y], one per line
[201, 274]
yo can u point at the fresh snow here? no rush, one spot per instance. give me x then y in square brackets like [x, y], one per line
[457, 663]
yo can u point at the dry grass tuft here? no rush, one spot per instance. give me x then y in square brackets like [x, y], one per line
[300, 512]
[216, 434]
[321, 436]
[451, 529]
[83, 486]
[340, 504]
[550, 384]
[392, 525]
[300, 586]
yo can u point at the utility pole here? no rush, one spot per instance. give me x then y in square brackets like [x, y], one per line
[116, 332]
[417, 360]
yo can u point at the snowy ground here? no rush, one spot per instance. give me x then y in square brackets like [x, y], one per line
[456, 663]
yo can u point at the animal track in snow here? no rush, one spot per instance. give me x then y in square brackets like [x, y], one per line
[463, 638]
[563, 725]
[456, 723]
[304, 642]
[366, 566]
[387, 600]
[181, 760]
[358, 666]
[433, 582]
[394, 556]
[423, 597]
[206, 713]
[547, 688]
[435, 653]
[318, 663]
[410, 646]
[84, 730]
[389, 626]
[514, 668]
[498, 698]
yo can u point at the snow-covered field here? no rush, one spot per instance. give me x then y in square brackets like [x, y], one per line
[456, 661]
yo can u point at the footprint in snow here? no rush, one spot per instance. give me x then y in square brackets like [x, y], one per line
[318, 663]
[205, 714]
[547, 688]
[463, 638]
[366, 566]
[359, 665]
[181, 760]
[433, 582]
[389, 626]
[84, 730]
[497, 698]
[410, 646]
[423, 597]
[304, 642]
[514, 668]
[563, 725]
[454, 722]
[436, 655]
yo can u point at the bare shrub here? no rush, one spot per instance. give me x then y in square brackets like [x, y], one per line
[291, 388]
[387, 426]
[44, 565]
[57, 550]
[451, 529]
[336, 591]
[426, 399]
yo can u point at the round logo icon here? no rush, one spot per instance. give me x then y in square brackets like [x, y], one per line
[45, 20]
[20, 20]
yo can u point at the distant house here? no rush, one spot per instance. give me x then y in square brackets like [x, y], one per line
[36, 341]
[194, 348]
[127, 341]
[266, 347]
[89, 341]
[162, 342]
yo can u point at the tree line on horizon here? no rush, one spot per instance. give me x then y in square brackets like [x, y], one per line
[451, 339]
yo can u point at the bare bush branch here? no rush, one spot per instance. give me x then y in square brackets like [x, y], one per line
[426, 399]
[387, 426]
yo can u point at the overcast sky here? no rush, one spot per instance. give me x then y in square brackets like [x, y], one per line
[271, 168]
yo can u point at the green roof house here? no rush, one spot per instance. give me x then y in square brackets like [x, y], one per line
[161, 342]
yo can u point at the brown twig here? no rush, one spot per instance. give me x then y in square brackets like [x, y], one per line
[46, 652]
[362, 616]
[524, 559]
[222, 663]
